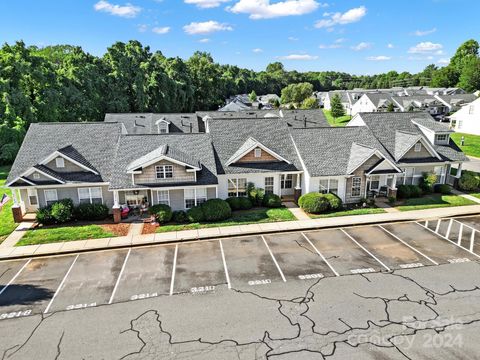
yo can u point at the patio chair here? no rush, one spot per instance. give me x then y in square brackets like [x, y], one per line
[383, 191]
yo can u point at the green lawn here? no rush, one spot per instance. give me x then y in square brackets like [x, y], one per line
[472, 143]
[341, 121]
[254, 216]
[477, 195]
[64, 233]
[434, 201]
[349, 213]
[6, 218]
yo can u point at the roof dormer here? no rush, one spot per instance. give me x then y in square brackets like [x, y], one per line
[163, 126]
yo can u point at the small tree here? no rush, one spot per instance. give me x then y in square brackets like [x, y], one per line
[310, 103]
[253, 96]
[390, 107]
[337, 109]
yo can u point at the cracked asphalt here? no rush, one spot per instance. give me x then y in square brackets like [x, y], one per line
[271, 297]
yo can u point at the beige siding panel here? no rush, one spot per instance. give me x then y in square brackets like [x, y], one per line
[250, 157]
[148, 175]
[412, 154]
[69, 166]
[361, 173]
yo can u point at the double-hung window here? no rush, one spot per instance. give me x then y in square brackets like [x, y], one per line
[328, 186]
[163, 197]
[286, 181]
[374, 182]
[50, 196]
[356, 186]
[323, 186]
[60, 162]
[164, 171]
[418, 147]
[162, 127]
[269, 185]
[194, 197]
[90, 195]
[237, 187]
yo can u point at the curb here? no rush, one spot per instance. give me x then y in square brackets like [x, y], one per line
[253, 233]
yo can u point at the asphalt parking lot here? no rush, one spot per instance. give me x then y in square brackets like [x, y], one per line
[62, 283]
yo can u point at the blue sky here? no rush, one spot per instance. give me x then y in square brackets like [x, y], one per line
[360, 37]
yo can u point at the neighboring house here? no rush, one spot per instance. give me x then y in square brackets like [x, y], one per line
[345, 97]
[416, 142]
[235, 105]
[455, 102]
[268, 99]
[427, 103]
[374, 102]
[467, 119]
[185, 159]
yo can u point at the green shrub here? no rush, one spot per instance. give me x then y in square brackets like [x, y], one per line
[245, 203]
[391, 200]
[234, 203]
[403, 192]
[314, 203]
[272, 201]
[443, 189]
[195, 214]
[62, 211]
[334, 201]
[428, 180]
[44, 216]
[179, 216]
[415, 191]
[162, 212]
[255, 195]
[90, 212]
[469, 181]
[216, 210]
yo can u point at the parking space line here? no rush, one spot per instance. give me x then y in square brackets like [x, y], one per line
[274, 260]
[16, 275]
[119, 276]
[225, 265]
[443, 237]
[438, 225]
[449, 228]
[173, 269]
[321, 255]
[61, 284]
[364, 249]
[411, 247]
[472, 237]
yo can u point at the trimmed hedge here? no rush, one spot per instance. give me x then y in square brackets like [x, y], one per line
[245, 203]
[334, 201]
[314, 203]
[195, 214]
[239, 203]
[408, 191]
[272, 201]
[469, 181]
[180, 216]
[90, 212]
[44, 216]
[216, 210]
[162, 212]
[443, 189]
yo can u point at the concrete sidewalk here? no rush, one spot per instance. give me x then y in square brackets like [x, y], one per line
[242, 230]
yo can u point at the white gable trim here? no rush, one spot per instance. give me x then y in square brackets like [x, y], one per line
[31, 171]
[56, 154]
[151, 162]
[373, 152]
[380, 163]
[427, 145]
[261, 146]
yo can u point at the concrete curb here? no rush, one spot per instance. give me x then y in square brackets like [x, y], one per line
[81, 246]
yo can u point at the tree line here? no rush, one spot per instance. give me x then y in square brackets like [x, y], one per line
[65, 83]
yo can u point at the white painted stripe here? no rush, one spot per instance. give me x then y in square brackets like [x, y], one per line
[274, 260]
[61, 284]
[408, 245]
[16, 275]
[438, 225]
[364, 249]
[466, 225]
[426, 223]
[173, 269]
[321, 255]
[472, 240]
[447, 235]
[225, 265]
[450, 241]
[460, 235]
[119, 276]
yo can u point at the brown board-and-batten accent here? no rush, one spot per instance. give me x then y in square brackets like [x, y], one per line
[264, 157]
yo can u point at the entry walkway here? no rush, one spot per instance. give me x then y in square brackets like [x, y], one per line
[296, 211]
[466, 196]
[16, 234]
[228, 231]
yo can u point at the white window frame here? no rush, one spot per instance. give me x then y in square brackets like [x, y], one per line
[197, 199]
[284, 179]
[377, 179]
[32, 193]
[257, 152]
[356, 187]
[90, 198]
[36, 176]
[328, 189]
[459, 124]
[269, 188]
[471, 109]
[163, 127]
[234, 182]
[418, 147]
[441, 137]
[162, 171]
[162, 200]
[60, 162]
[52, 191]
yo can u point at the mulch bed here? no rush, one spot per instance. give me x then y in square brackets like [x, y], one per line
[120, 229]
[149, 228]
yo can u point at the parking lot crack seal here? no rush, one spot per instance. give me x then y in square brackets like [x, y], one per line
[58, 346]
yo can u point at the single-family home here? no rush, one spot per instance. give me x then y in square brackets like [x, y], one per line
[374, 102]
[467, 118]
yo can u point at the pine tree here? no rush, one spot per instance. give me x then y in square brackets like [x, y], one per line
[337, 109]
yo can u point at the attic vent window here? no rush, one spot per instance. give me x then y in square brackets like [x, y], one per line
[36, 176]
[418, 147]
[258, 152]
[162, 127]
[442, 137]
[59, 162]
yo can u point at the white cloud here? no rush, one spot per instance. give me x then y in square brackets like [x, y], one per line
[142, 27]
[206, 27]
[348, 17]
[340, 40]
[127, 10]
[361, 46]
[390, 46]
[204, 40]
[298, 57]
[330, 46]
[206, 4]
[262, 9]
[161, 30]
[443, 61]
[424, 32]
[425, 47]
[257, 50]
[292, 38]
[378, 58]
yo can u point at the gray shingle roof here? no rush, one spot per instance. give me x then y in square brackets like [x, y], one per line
[404, 141]
[380, 99]
[456, 100]
[145, 123]
[96, 142]
[229, 136]
[234, 106]
[334, 151]
[133, 147]
[300, 118]
[164, 150]
[73, 154]
[358, 155]
[385, 125]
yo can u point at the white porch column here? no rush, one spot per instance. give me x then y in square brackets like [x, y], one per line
[15, 198]
[298, 186]
[394, 182]
[459, 170]
[116, 199]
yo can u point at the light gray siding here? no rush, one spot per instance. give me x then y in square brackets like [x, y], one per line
[69, 166]
[177, 200]
[148, 175]
[72, 193]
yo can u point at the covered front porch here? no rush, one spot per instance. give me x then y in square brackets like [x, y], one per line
[381, 184]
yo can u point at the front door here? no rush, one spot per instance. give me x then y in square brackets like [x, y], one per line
[32, 199]
[286, 184]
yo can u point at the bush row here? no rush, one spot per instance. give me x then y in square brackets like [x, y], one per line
[64, 211]
[469, 181]
[414, 191]
[316, 203]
